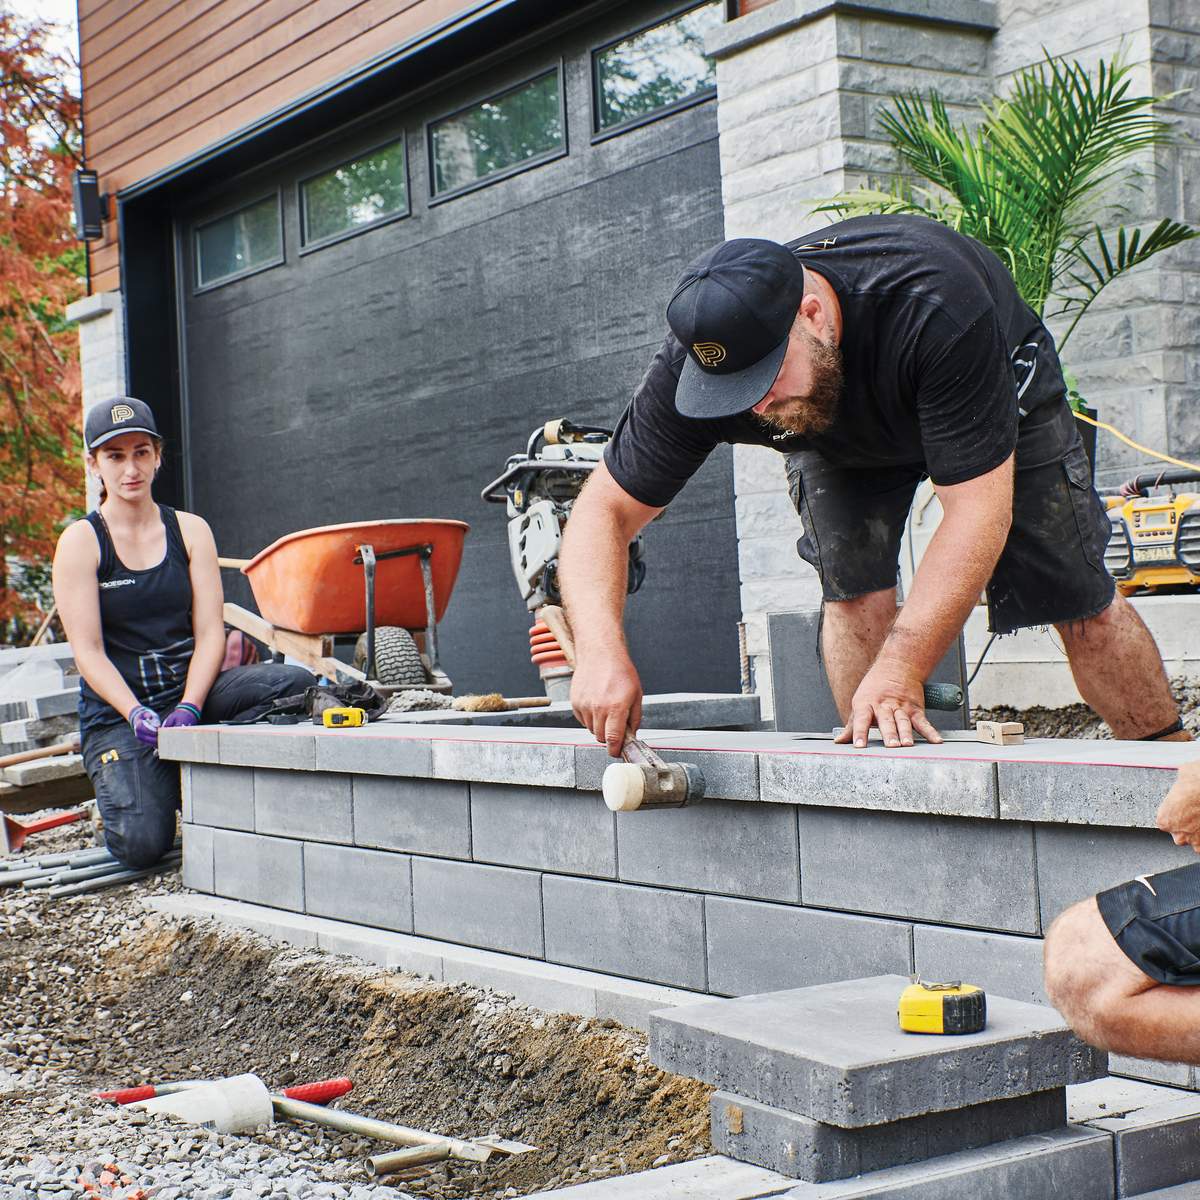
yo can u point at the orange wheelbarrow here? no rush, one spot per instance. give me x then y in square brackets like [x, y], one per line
[387, 580]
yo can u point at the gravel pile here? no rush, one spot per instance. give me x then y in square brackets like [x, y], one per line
[97, 992]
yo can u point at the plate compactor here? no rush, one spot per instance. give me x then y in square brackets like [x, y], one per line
[1155, 541]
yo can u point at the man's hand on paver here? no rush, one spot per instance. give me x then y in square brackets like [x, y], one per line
[1179, 813]
[606, 695]
[891, 697]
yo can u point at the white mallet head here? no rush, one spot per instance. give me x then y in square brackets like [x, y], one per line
[624, 786]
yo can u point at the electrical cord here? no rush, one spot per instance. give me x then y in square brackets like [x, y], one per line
[982, 656]
[1178, 462]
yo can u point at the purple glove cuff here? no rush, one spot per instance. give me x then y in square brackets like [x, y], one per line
[182, 715]
[145, 724]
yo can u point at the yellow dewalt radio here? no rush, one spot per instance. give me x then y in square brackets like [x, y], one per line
[952, 1007]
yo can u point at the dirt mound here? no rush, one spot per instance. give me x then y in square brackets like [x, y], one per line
[451, 1059]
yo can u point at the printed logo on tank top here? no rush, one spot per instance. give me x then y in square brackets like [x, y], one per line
[112, 583]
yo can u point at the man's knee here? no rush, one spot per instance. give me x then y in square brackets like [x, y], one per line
[1067, 966]
[141, 844]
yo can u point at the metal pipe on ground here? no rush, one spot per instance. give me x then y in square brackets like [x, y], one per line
[383, 1131]
[94, 885]
[56, 877]
[413, 1156]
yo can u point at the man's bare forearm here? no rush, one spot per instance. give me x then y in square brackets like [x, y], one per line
[958, 563]
[593, 570]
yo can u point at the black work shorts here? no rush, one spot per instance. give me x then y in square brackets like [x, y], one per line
[1155, 919]
[1052, 566]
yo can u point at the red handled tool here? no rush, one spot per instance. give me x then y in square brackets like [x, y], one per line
[320, 1092]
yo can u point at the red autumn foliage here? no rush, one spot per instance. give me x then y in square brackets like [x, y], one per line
[41, 272]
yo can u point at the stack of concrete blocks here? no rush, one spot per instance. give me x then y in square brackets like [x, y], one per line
[39, 696]
[821, 1084]
[801, 84]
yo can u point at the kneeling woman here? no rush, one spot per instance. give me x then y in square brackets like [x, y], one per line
[139, 593]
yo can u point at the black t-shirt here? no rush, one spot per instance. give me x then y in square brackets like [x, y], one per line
[940, 354]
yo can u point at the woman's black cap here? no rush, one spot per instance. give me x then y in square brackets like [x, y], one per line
[121, 414]
[733, 310]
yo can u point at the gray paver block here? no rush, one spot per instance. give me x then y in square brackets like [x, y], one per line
[639, 932]
[1185, 1191]
[943, 869]
[413, 955]
[1074, 863]
[727, 776]
[497, 908]
[200, 744]
[425, 816]
[1074, 1163]
[303, 805]
[1179, 1075]
[714, 1178]
[222, 796]
[47, 729]
[283, 747]
[1084, 794]
[836, 1054]
[43, 770]
[754, 947]
[1114, 1096]
[1157, 1146]
[713, 846]
[533, 763]
[865, 781]
[365, 887]
[540, 984]
[185, 792]
[1001, 964]
[262, 870]
[551, 829]
[794, 1145]
[197, 858]
[56, 704]
[370, 753]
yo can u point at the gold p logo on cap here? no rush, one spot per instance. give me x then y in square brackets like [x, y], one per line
[709, 353]
[121, 412]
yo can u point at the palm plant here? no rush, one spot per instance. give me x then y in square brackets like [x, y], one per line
[1034, 180]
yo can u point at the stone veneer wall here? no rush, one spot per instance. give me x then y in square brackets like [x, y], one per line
[801, 83]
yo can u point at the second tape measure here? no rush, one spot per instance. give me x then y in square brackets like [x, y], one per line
[343, 718]
[942, 1008]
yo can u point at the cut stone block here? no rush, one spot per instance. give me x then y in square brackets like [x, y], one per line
[943, 869]
[222, 796]
[295, 804]
[810, 1150]
[1068, 1163]
[57, 704]
[550, 829]
[867, 781]
[1157, 1146]
[372, 751]
[1076, 862]
[715, 1178]
[715, 846]
[1075, 793]
[755, 947]
[835, 1053]
[198, 858]
[492, 907]
[43, 729]
[262, 870]
[727, 776]
[1177, 1075]
[199, 744]
[639, 932]
[1112, 1096]
[1001, 964]
[424, 816]
[505, 762]
[365, 887]
[44, 770]
[284, 747]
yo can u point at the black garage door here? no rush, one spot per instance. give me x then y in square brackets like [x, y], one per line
[390, 373]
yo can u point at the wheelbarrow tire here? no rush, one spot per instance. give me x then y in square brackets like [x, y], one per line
[397, 659]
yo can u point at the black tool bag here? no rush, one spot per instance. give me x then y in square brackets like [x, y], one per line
[312, 702]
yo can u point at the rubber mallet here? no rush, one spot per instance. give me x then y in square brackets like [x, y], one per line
[643, 780]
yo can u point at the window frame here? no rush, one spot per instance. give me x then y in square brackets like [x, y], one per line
[331, 239]
[197, 226]
[526, 164]
[667, 110]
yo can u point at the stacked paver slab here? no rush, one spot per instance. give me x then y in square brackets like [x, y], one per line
[821, 1084]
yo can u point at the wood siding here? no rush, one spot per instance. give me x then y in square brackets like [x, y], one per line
[163, 79]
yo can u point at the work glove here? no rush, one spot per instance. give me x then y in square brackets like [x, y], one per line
[145, 724]
[184, 714]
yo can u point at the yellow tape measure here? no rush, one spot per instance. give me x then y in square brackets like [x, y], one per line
[343, 718]
[942, 1008]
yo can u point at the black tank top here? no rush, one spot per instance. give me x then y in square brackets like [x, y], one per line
[146, 622]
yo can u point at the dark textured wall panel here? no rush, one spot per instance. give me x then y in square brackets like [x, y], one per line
[390, 375]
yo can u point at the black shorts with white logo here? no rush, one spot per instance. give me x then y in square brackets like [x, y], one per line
[1155, 919]
[1051, 569]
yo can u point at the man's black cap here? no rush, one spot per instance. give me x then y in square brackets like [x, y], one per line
[733, 309]
[121, 414]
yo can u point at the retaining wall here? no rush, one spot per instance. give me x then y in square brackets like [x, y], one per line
[807, 863]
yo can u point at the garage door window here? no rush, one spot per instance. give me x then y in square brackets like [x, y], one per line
[517, 129]
[357, 195]
[656, 71]
[248, 240]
